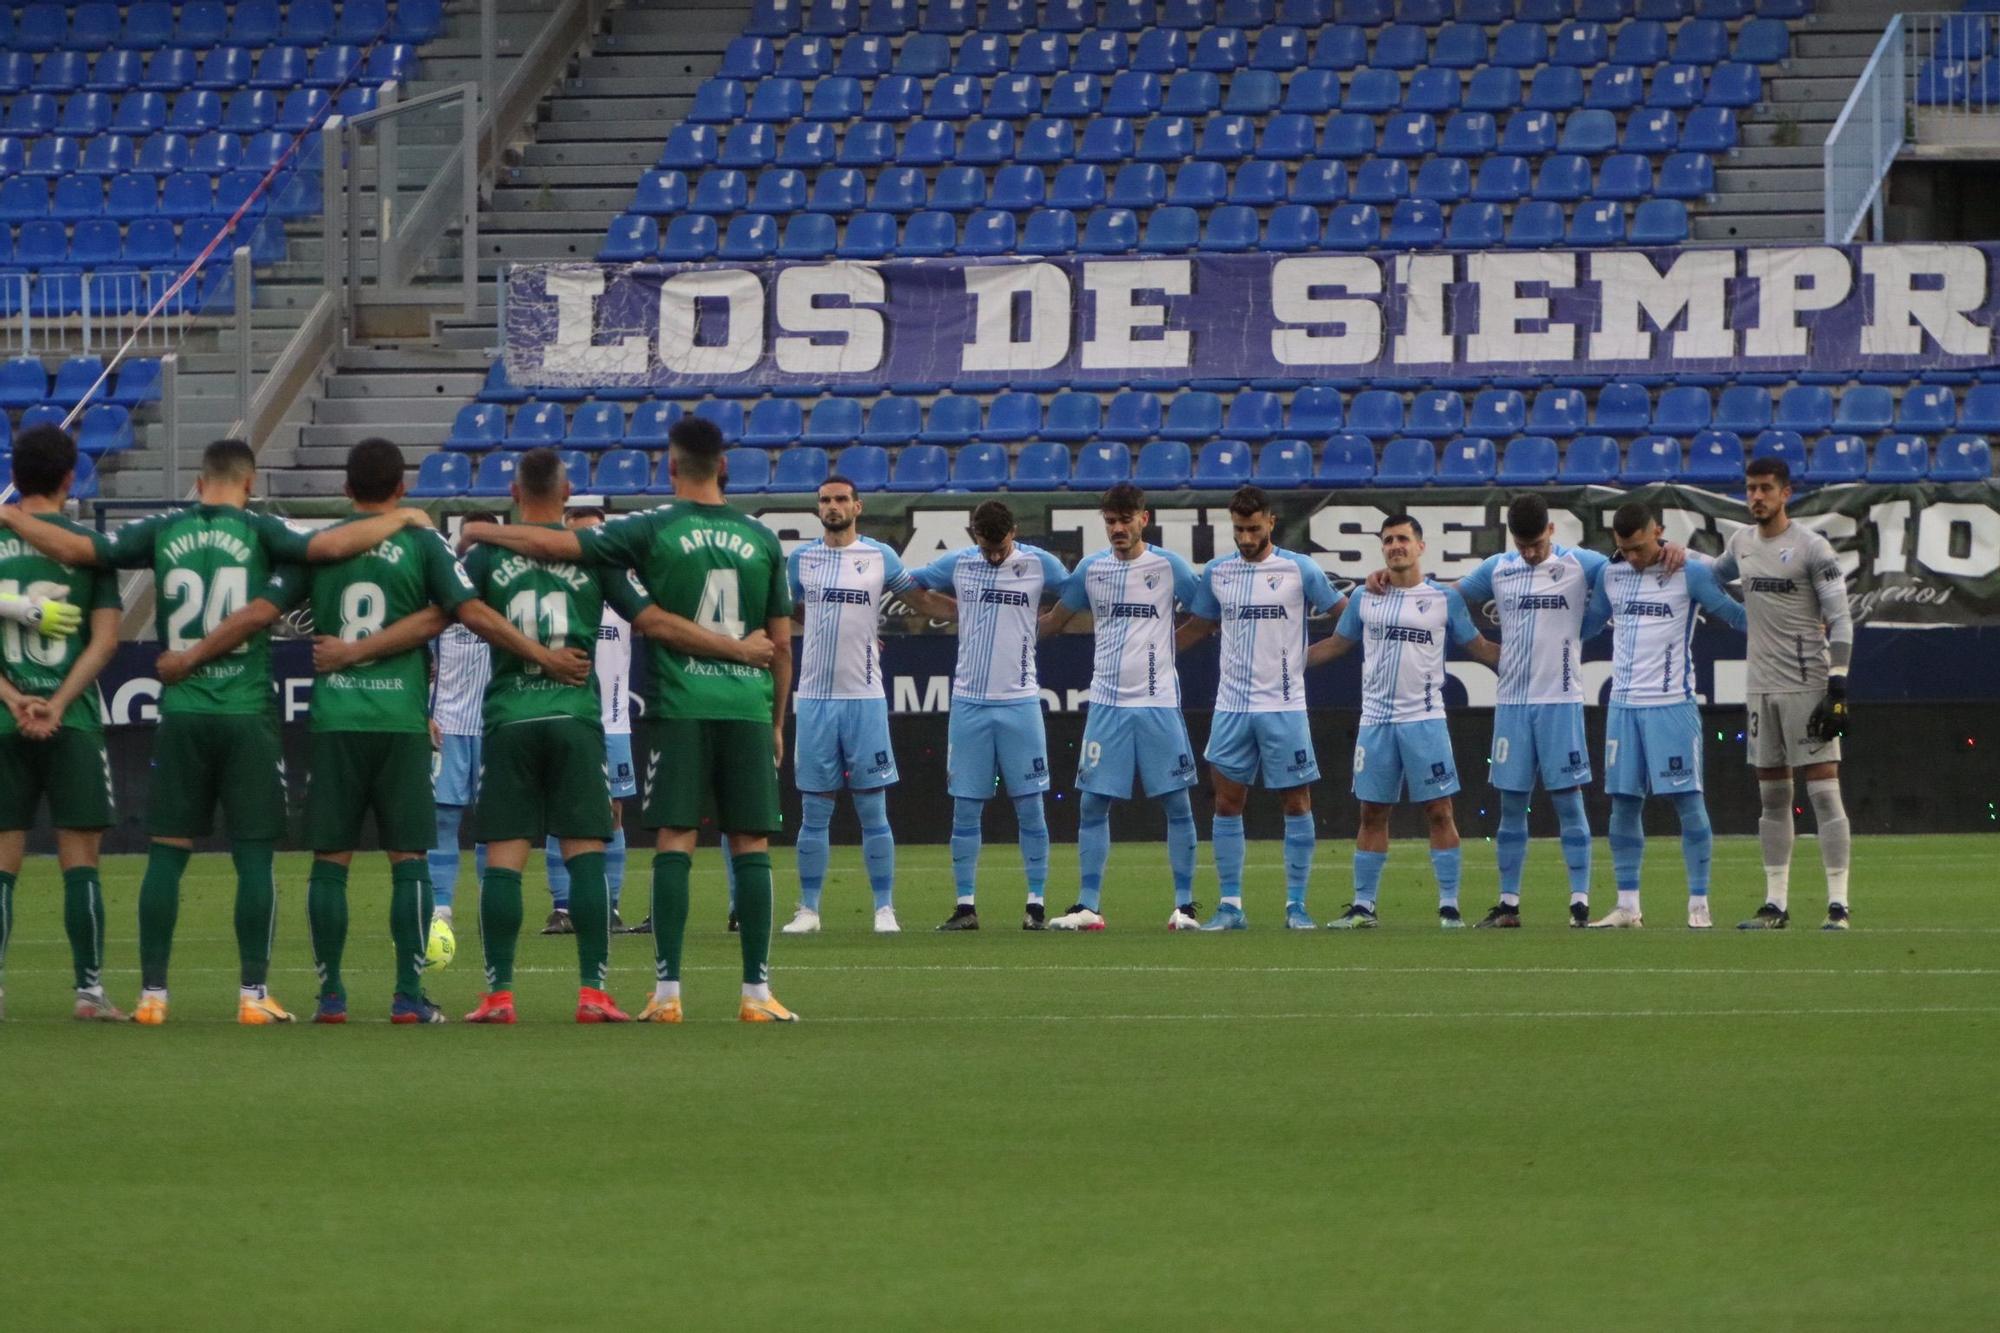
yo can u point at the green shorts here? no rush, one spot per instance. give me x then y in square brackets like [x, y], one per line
[202, 758]
[354, 772]
[543, 778]
[72, 768]
[698, 768]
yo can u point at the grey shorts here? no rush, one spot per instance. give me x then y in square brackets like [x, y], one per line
[1776, 731]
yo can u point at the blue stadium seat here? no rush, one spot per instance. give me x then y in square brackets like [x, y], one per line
[1132, 415]
[1199, 185]
[1962, 458]
[748, 471]
[1050, 231]
[1498, 413]
[1652, 458]
[1734, 86]
[138, 382]
[1347, 460]
[1864, 410]
[959, 190]
[1675, 86]
[442, 476]
[1660, 222]
[1899, 458]
[778, 191]
[1074, 96]
[1013, 416]
[632, 238]
[1625, 176]
[921, 468]
[1564, 178]
[1376, 413]
[1494, 89]
[1382, 180]
[495, 477]
[773, 424]
[1171, 230]
[1530, 460]
[953, 419]
[839, 190]
[1231, 229]
[1529, 134]
[1682, 410]
[984, 54]
[1590, 460]
[536, 424]
[1687, 176]
[74, 378]
[1715, 458]
[1043, 466]
[929, 234]
[1444, 180]
[1223, 50]
[1436, 414]
[1101, 463]
[1615, 88]
[1348, 136]
[1193, 416]
[1624, 408]
[1316, 412]
[1709, 129]
[690, 237]
[1159, 51]
[689, 147]
[1254, 415]
[955, 97]
[748, 145]
[1042, 53]
[1502, 180]
[893, 421]
[923, 57]
[1406, 462]
[834, 423]
[1046, 141]
[1417, 224]
[596, 425]
[1072, 417]
[1467, 461]
[1556, 88]
[798, 470]
[1927, 409]
[1110, 231]
[979, 468]
[106, 155]
[1589, 132]
[1101, 52]
[988, 232]
[139, 114]
[1764, 41]
[621, 472]
[1597, 222]
[898, 190]
[650, 424]
[1261, 185]
[1078, 187]
[1222, 465]
[726, 416]
[1164, 465]
[1400, 46]
[808, 236]
[1805, 408]
[1320, 183]
[754, 57]
[1283, 464]
[1836, 460]
[718, 102]
[1743, 408]
[1784, 445]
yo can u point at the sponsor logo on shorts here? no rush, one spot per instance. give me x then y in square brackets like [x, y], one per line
[1041, 765]
[1440, 774]
[1184, 764]
[1576, 759]
[1676, 764]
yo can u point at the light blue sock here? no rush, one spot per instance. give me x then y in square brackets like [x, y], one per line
[1301, 836]
[1628, 841]
[614, 865]
[815, 814]
[1445, 864]
[1575, 838]
[1180, 843]
[1093, 846]
[878, 845]
[1225, 834]
[1034, 843]
[558, 875]
[1510, 844]
[1697, 840]
[1368, 876]
[966, 817]
[443, 856]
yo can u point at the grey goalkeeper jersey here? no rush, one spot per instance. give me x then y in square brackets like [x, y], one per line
[1797, 603]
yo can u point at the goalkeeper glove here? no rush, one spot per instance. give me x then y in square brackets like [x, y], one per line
[1829, 719]
[45, 615]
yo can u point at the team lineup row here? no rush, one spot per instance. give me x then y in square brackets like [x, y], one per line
[713, 596]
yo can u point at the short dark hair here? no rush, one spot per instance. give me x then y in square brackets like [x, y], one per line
[992, 521]
[1400, 521]
[1122, 499]
[1249, 500]
[1768, 466]
[1632, 517]
[837, 479]
[228, 460]
[43, 456]
[374, 470]
[480, 516]
[1528, 517]
[540, 473]
[697, 446]
[586, 511]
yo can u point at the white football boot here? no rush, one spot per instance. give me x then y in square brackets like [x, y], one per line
[1619, 918]
[886, 923]
[1078, 917]
[805, 921]
[1698, 917]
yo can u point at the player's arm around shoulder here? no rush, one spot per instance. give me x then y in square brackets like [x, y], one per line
[1708, 594]
[1345, 635]
[1072, 598]
[72, 547]
[1466, 634]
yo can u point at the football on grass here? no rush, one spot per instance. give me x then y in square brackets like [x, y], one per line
[443, 946]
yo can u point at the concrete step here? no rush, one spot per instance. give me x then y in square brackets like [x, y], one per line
[629, 154]
[528, 247]
[1746, 227]
[606, 131]
[390, 362]
[345, 437]
[528, 222]
[435, 411]
[1738, 184]
[594, 175]
[550, 199]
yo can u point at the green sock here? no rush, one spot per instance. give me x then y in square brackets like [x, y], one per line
[6, 918]
[159, 906]
[409, 927]
[83, 919]
[590, 913]
[753, 914]
[670, 912]
[326, 913]
[500, 914]
[256, 908]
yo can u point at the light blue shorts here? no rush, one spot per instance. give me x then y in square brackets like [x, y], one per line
[1002, 745]
[455, 771]
[843, 743]
[1269, 750]
[1652, 751]
[1391, 755]
[1539, 740]
[1124, 745]
[618, 766]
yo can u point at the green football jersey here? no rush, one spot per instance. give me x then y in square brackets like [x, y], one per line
[209, 561]
[359, 596]
[716, 567]
[558, 605]
[34, 663]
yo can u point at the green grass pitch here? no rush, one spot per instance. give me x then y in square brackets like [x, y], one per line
[1406, 1129]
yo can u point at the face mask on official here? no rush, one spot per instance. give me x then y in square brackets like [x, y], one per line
[1126, 532]
[1253, 534]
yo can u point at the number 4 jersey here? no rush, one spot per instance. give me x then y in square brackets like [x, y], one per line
[717, 567]
[209, 561]
[558, 605]
[364, 595]
[36, 664]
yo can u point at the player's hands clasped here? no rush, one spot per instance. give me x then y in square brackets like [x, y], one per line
[174, 666]
[42, 720]
[571, 666]
[755, 650]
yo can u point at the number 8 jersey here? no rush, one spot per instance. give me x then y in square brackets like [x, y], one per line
[364, 595]
[717, 567]
[209, 561]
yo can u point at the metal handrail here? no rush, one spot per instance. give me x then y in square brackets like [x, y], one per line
[1874, 121]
